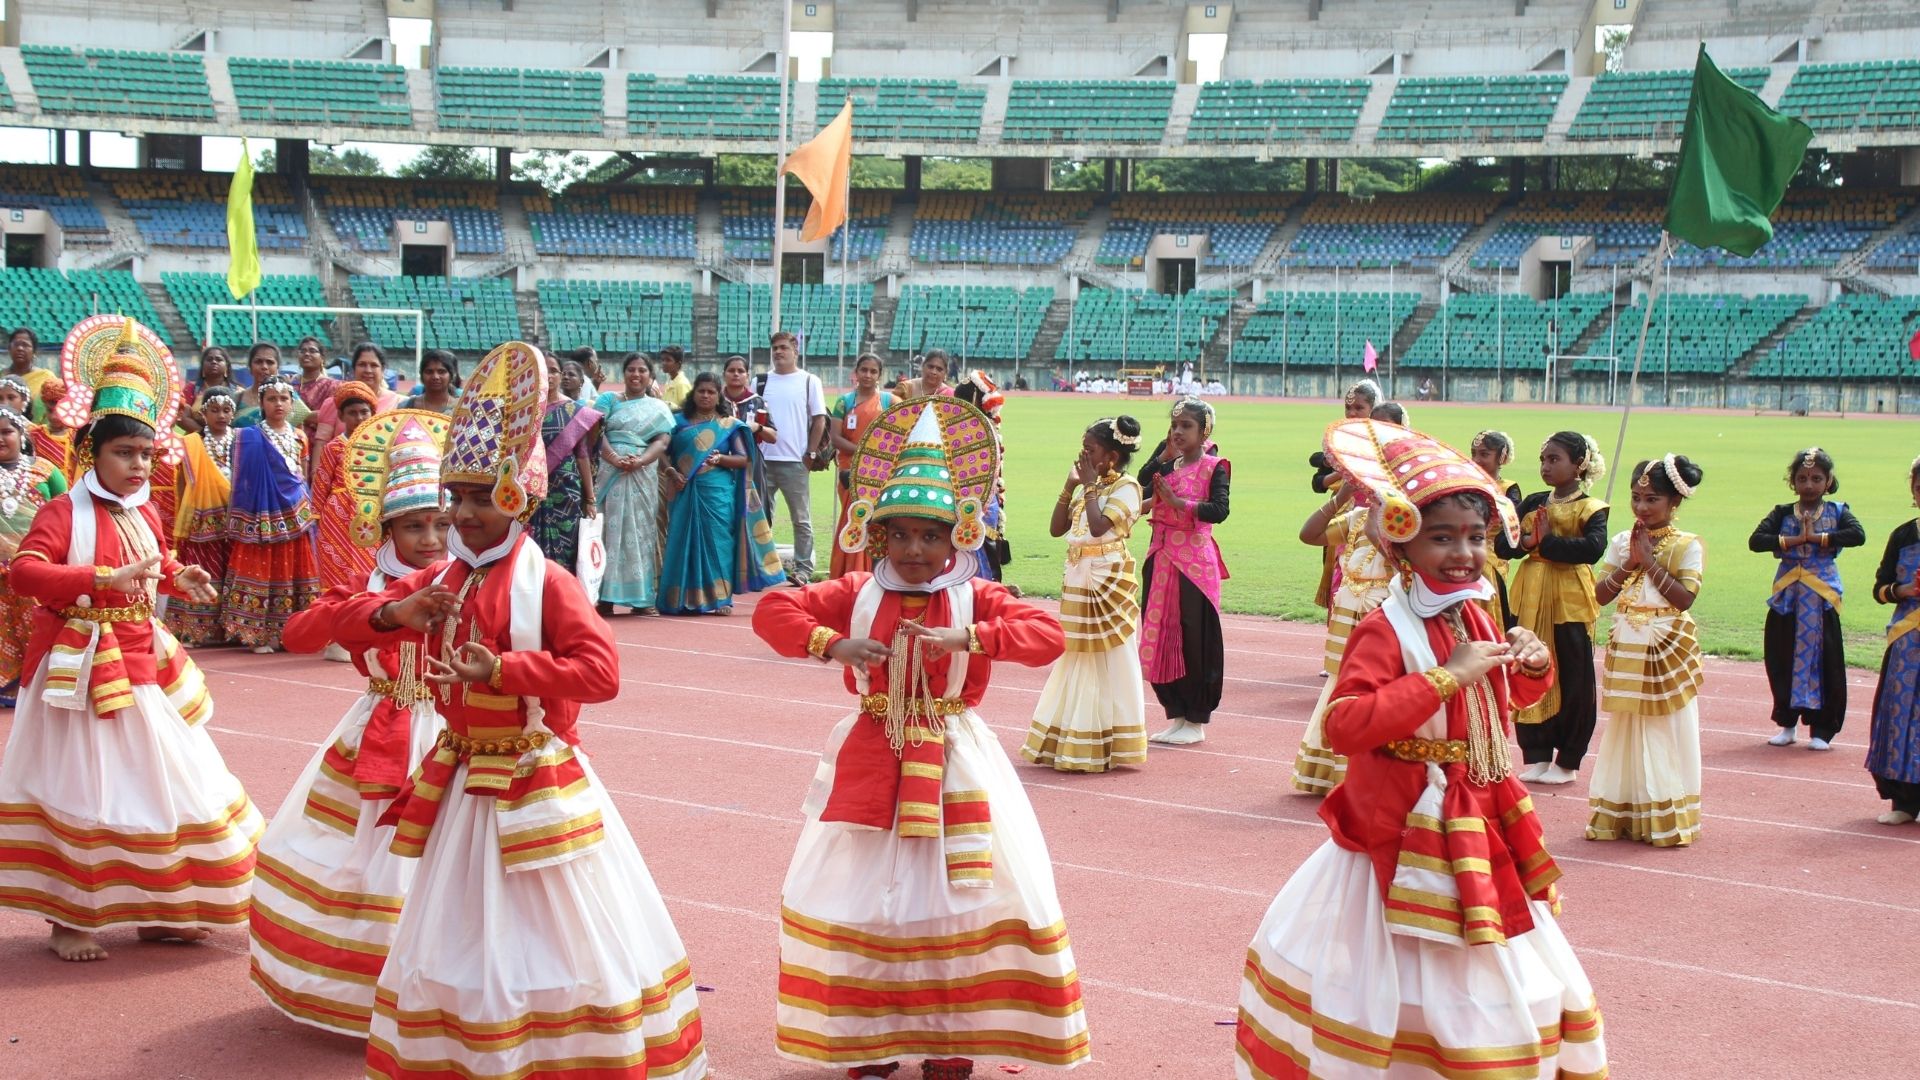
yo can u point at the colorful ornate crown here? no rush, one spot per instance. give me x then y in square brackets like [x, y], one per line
[931, 457]
[496, 429]
[393, 468]
[112, 365]
[1399, 470]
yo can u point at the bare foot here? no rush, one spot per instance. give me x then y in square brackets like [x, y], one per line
[77, 946]
[172, 933]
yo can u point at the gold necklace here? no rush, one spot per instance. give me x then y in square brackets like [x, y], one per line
[1662, 537]
[1558, 499]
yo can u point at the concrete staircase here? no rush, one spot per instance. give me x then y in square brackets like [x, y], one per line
[1743, 367]
[124, 241]
[1053, 328]
[1424, 313]
[18, 83]
[422, 99]
[1596, 336]
[880, 321]
[706, 327]
[1854, 265]
[1459, 268]
[1367, 128]
[173, 326]
[1186, 97]
[527, 309]
[226, 108]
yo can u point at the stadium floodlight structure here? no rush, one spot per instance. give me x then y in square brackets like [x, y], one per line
[418, 315]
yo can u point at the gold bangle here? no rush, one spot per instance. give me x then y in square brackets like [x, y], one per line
[102, 578]
[499, 662]
[973, 639]
[820, 641]
[381, 622]
[1540, 672]
[1442, 681]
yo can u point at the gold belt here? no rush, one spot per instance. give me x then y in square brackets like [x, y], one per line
[876, 705]
[512, 744]
[1088, 551]
[393, 691]
[1439, 751]
[139, 612]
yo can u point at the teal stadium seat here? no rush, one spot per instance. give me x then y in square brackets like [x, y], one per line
[617, 317]
[192, 292]
[1278, 110]
[1136, 326]
[1318, 329]
[1508, 332]
[1471, 108]
[810, 312]
[906, 110]
[344, 92]
[526, 101]
[50, 301]
[1876, 95]
[1645, 104]
[463, 314]
[1693, 333]
[119, 83]
[1076, 111]
[1858, 336]
[979, 322]
[704, 106]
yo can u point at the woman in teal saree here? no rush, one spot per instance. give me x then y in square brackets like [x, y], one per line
[718, 540]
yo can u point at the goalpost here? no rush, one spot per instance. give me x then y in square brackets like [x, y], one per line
[418, 315]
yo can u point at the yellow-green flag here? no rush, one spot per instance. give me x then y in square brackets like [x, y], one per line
[243, 251]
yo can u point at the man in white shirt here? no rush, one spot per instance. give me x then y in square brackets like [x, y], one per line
[797, 406]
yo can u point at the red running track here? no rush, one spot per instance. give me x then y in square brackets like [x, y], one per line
[1788, 937]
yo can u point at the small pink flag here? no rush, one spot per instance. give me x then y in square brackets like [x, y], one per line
[1913, 346]
[1372, 358]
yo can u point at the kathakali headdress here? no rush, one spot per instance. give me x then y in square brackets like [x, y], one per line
[1399, 470]
[393, 468]
[113, 366]
[495, 437]
[931, 457]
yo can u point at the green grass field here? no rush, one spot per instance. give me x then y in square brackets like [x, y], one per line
[1745, 459]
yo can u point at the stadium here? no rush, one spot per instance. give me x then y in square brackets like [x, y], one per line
[1260, 190]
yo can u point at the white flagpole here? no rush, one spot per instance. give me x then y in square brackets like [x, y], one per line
[782, 61]
[846, 246]
[1639, 353]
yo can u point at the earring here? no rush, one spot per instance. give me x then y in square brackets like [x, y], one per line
[1406, 574]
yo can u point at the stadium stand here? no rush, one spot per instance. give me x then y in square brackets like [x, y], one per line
[703, 106]
[1462, 108]
[192, 292]
[1316, 329]
[462, 313]
[1624, 227]
[1418, 230]
[50, 301]
[746, 222]
[1278, 110]
[1814, 227]
[1857, 336]
[1873, 95]
[117, 82]
[59, 192]
[616, 317]
[1707, 334]
[905, 109]
[1901, 251]
[347, 92]
[1645, 104]
[527, 101]
[1237, 227]
[1008, 229]
[811, 312]
[1134, 325]
[1073, 111]
[175, 209]
[645, 222]
[363, 211]
[1509, 332]
[983, 322]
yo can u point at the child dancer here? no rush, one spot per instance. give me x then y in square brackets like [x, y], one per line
[328, 892]
[1361, 573]
[343, 562]
[26, 484]
[1893, 748]
[1092, 713]
[919, 915]
[1181, 649]
[1805, 655]
[271, 570]
[1646, 782]
[1420, 938]
[1493, 451]
[1563, 532]
[115, 807]
[204, 482]
[533, 942]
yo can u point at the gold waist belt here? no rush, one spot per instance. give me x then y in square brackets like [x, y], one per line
[139, 612]
[393, 691]
[512, 744]
[876, 705]
[1088, 551]
[1438, 751]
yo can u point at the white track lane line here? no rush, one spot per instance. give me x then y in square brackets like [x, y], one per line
[1865, 999]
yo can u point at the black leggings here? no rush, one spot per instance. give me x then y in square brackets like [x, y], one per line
[1777, 638]
[1563, 737]
[1196, 694]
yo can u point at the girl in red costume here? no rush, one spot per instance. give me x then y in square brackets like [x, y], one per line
[1419, 941]
[919, 917]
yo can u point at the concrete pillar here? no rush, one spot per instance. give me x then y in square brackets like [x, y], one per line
[502, 165]
[913, 175]
[1313, 175]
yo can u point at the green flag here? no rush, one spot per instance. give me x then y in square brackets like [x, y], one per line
[243, 251]
[1736, 157]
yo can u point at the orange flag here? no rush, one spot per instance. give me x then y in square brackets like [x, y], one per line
[822, 164]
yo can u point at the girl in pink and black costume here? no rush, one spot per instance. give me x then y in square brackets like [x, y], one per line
[1181, 649]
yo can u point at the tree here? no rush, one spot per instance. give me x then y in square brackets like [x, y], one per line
[956, 174]
[322, 161]
[553, 170]
[447, 163]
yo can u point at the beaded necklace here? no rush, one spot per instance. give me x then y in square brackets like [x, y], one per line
[220, 449]
[285, 440]
[15, 482]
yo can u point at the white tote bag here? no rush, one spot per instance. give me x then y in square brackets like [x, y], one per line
[590, 566]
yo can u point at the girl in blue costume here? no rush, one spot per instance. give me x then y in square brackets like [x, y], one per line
[1893, 749]
[272, 571]
[718, 539]
[1805, 656]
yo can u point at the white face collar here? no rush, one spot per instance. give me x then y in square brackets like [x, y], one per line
[1426, 602]
[458, 548]
[129, 502]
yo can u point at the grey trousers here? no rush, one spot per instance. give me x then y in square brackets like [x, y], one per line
[794, 483]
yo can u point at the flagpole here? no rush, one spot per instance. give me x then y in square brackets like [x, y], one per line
[1639, 353]
[846, 246]
[779, 178]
